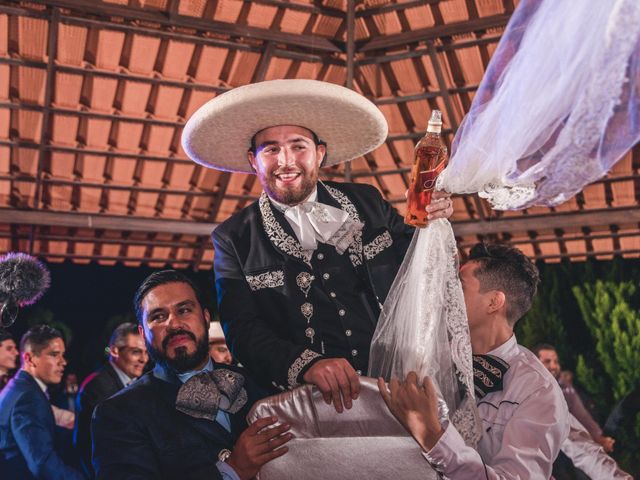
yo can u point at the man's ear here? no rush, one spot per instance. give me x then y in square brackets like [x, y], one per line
[321, 153]
[114, 351]
[27, 359]
[252, 160]
[207, 318]
[497, 301]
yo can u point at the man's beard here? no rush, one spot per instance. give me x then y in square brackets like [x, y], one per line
[182, 361]
[288, 196]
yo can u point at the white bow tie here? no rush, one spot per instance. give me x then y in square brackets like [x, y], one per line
[313, 221]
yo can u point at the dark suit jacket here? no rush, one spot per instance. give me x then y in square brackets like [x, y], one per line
[139, 434]
[27, 434]
[257, 263]
[96, 388]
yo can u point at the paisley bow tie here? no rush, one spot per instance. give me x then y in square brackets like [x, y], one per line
[488, 373]
[203, 394]
[314, 221]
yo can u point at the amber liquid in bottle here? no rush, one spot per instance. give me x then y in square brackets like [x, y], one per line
[430, 160]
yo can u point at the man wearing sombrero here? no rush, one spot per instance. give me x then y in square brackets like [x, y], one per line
[302, 273]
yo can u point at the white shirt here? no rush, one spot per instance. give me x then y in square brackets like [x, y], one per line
[524, 426]
[589, 456]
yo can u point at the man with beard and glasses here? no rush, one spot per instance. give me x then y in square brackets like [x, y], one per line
[186, 418]
[301, 274]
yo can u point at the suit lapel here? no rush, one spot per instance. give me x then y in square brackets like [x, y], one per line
[113, 375]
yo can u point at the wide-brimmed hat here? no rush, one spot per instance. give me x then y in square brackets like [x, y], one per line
[219, 134]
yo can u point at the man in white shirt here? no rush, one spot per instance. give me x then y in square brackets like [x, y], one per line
[524, 415]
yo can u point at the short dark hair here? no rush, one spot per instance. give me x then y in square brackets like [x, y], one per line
[38, 338]
[505, 268]
[4, 335]
[119, 335]
[253, 147]
[542, 346]
[162, 278]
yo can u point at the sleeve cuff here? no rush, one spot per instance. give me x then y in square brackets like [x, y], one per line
[442, 454]
[226, 471]
[299, 367]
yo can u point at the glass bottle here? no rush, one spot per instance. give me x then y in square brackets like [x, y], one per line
[430, 160]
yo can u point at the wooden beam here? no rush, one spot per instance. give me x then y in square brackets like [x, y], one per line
[45, 132]
[106, 222]
[432, 33]
[588, 218]
[311, 42]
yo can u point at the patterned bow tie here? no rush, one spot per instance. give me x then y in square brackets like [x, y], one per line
[314, 221]
[203, 394]
[488, 373]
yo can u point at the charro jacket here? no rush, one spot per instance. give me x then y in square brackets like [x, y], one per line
[284, 308]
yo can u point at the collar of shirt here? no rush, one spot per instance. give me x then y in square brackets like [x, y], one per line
[187, 375]
[124, 378]
[507, 350]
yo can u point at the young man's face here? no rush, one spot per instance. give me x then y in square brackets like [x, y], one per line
[8, 355]
[549, 359]
[287, 162]
[476, 303]
[49, 365]
[132, 356]
[176, 326]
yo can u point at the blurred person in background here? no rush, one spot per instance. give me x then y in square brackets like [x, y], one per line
[127, 358]
[548, 355]
[218, 349]
[8, 357]
[27, 424]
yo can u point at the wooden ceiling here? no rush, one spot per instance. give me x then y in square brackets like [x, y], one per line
[94, 95]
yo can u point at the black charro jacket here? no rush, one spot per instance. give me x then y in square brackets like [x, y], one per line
[139, 435]
[258, 262]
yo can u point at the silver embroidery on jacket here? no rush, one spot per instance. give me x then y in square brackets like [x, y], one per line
[355, 249]
[380, 243]
[290, 245]
[278, 236]
[297, 366]
[271, 279]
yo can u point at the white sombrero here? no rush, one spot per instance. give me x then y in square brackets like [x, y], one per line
[219, 134]
[215, 331]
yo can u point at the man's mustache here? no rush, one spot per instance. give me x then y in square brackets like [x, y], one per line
[175, 333]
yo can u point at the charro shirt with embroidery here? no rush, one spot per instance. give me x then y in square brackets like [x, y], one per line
[285, 307]
[524, 425]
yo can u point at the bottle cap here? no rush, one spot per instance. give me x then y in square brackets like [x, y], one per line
[435, 122]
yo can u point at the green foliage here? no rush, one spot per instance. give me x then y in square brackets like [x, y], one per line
[542, 324]
[44, 316]
[609, 310]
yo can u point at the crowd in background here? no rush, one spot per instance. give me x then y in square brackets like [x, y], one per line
[64, 451]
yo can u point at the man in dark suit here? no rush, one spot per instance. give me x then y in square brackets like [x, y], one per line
[27, 424]
[186, 418]
[302, 273]
[127, 358]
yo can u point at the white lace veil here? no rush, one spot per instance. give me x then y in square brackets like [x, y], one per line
[557, 107]
[423, 326]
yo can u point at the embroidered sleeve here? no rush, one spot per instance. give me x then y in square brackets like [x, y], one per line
[266, 280]
[302, 361]
[378, 244]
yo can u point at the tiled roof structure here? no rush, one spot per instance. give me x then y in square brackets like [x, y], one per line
[94, 96]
